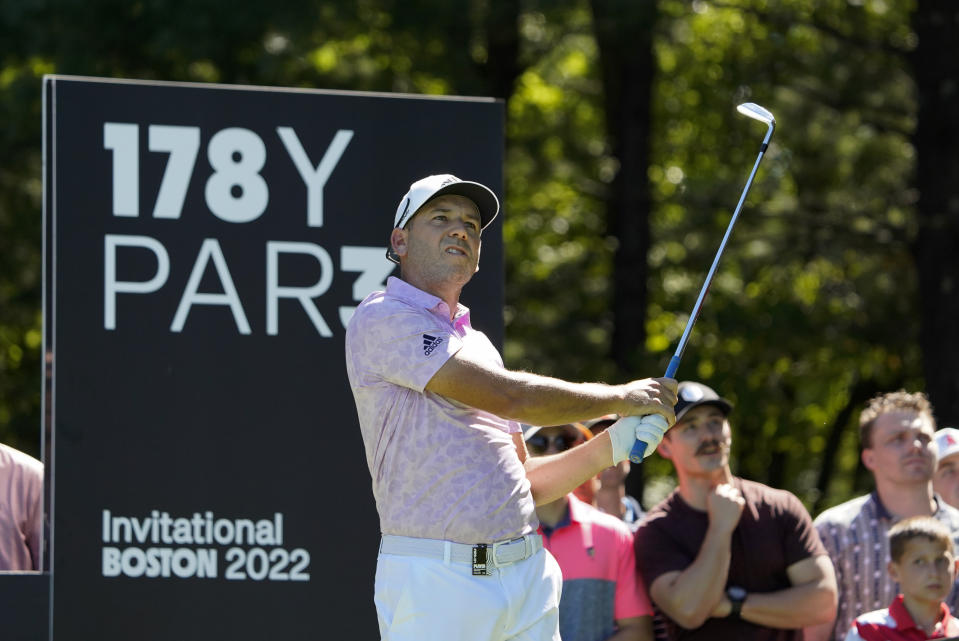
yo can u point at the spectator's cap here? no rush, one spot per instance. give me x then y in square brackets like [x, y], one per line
[947, 442]
[428, 188]
[692, 394]
[597, 425]
[530, 431]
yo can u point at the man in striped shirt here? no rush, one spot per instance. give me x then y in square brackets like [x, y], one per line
[896, 434]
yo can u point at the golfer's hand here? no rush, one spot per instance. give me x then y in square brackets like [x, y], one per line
[624, 433]
[650, 396]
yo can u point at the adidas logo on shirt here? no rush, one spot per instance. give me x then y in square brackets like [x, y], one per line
[430, 343]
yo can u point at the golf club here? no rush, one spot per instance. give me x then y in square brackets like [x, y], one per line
[754, 111]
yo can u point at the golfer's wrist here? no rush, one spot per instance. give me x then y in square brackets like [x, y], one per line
[623, 407]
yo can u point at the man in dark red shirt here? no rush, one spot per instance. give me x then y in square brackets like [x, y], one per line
[723, 557]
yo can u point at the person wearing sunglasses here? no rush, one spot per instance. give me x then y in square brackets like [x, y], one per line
[540, 440]
[603, 596]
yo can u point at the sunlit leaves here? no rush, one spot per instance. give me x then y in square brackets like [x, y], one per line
[816, 290]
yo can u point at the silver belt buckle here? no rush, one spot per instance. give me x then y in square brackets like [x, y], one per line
[499, 544]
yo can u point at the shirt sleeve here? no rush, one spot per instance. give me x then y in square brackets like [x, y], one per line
[631, 597]
[656, 551]
[804, 541]
[400, 345]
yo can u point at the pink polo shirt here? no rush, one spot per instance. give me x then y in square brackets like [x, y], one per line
[440, 469]
[595, 552]
[21, 510]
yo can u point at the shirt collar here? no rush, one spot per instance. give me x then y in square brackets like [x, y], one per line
[576, 512]
[885, 514]
[898, 611]
[935, 497]
[881, 510]
[579, 512]
[904, 621]
[404, 291]
[945, 620]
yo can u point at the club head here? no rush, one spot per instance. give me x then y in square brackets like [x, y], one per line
[754, 111]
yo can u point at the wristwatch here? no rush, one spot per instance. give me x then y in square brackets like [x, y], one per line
[736, 597]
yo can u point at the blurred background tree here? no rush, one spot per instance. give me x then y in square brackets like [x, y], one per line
[624, 161]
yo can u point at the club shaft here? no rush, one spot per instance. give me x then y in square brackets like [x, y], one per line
[684, 339]
[639, 448]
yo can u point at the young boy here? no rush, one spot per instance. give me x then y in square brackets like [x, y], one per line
[924, 565]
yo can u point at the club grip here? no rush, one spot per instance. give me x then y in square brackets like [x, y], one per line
[638, 452]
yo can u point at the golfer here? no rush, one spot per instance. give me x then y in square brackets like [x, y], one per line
[440, 418]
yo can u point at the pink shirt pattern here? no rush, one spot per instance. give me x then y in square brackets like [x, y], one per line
[21, 510]
[440, 469]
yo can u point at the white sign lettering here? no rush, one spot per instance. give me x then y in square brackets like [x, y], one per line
[235, 192]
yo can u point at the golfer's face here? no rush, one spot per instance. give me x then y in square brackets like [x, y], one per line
[444, 238]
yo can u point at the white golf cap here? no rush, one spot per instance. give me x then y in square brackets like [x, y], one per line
[947, 442]
[426, 189]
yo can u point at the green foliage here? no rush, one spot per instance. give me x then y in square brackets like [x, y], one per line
[558, 255]
[20, 266]
[815, 297]
[816, 291]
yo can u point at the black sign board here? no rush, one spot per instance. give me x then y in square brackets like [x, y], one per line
[205, 246]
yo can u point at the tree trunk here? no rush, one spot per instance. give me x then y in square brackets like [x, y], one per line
[624, 35]
[936, 72]
[861, 392]
[502, 48]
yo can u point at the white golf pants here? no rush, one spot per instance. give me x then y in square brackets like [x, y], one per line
[427, 599]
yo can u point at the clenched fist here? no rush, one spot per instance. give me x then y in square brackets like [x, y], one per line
[724, 504]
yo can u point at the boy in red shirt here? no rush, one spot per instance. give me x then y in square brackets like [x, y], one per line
[924, 565]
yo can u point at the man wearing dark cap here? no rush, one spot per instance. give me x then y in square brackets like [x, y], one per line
[723, 557]
[440, 418]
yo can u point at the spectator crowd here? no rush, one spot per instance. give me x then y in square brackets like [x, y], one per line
[724, 557]
[532, 535]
